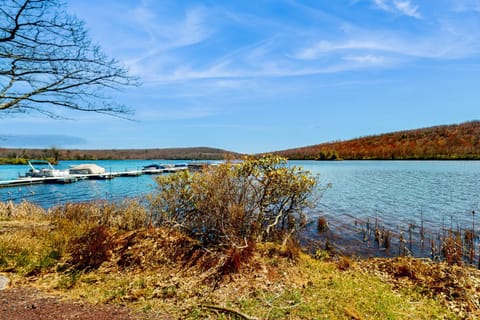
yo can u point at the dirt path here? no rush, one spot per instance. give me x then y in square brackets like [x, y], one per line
[23, 303]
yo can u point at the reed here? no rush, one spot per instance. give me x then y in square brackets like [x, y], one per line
[22, 211]
[322, 224]
[451, 242]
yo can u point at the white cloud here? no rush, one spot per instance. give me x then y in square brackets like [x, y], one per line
[445, 44]
[167, 50]
[407, 8]
[363, 49]
[366, 60]
[323, 47]
[165, 34]
[404, 7]
[382, 4]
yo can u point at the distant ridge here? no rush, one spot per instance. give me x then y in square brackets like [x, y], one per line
[196, 153]
[446, 142]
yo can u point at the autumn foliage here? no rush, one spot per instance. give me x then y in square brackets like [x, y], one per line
[453, 142]
[13, 155]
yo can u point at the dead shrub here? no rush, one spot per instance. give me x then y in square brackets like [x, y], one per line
[258, 198]
[236, 258]
[91, 249]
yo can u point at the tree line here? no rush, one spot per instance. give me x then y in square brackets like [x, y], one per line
[447, 142]
[20, 156]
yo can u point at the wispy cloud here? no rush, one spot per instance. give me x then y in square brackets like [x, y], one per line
[322, 57]
[167, 32]
[367, 59]
[324, 47]
[466, 5]
[446, 43]
[382, 4]
[407, 8]
[227, 47]
[164, 35]
[403, 7]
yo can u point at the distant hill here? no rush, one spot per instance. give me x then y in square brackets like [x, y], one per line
[459, 141]
[197, 153]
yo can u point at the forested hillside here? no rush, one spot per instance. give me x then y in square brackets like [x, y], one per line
[459, 141]
[198, 153]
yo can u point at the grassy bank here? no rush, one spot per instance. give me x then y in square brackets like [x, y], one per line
[105, 253]
[21, 161]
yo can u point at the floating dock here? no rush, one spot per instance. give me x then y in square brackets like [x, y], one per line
[25, 181]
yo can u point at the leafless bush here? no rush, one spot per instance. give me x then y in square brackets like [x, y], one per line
[262, 199]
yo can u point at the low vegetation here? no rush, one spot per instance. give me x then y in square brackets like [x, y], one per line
[234, 204]
[159, 271]
[13, 161]
[199, 153]
[219, 245]
[449, 142]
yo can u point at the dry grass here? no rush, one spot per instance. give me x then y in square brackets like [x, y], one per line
[160, 271]
[22, 211]
[270, 287]
[458, 287]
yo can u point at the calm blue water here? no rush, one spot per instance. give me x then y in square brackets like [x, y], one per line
[395, 192]
[398, 192]
[48, 195]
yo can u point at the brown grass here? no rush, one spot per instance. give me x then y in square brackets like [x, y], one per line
[458, 286]
[21, 211]
[91, 249]
[163, 270]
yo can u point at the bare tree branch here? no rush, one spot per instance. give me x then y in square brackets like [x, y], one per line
[47, 63]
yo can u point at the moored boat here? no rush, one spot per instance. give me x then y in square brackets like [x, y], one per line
[153, 169]
[44, 169]
[86, 169]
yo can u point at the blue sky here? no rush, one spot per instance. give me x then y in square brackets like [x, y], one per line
[256, 76]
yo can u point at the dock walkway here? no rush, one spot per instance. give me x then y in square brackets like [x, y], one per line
[24, 181]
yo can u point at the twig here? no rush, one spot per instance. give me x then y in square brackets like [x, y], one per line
[228, 310]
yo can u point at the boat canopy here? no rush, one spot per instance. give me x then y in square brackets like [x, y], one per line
[87, 168]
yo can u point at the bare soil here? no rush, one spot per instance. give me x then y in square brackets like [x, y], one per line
[26, 303]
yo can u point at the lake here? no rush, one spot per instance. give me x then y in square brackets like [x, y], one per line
[399, 196]
[394, 193]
